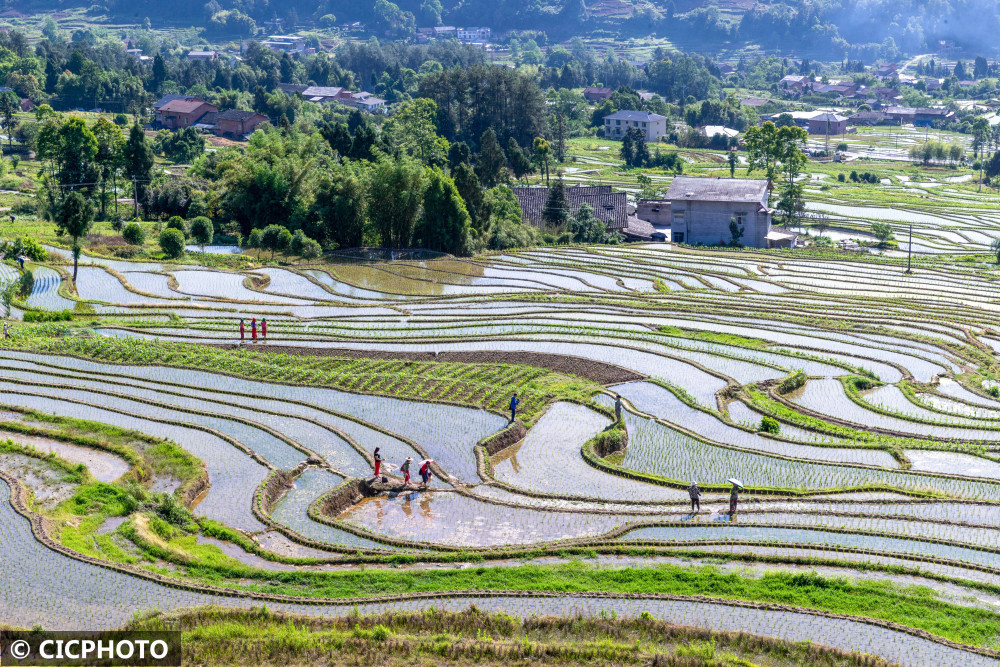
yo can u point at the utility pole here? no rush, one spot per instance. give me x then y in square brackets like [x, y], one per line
[909, 252]
[135, 196]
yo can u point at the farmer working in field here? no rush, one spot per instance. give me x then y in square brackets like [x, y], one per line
[618, 407]
[253, 329]
[513, 406]
[263, 327]
[243, 331]
[405, 469]
[378, 461]
[695, 494]
[733, 496]
[425, 471]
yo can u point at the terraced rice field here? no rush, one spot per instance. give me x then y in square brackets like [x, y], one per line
[881, 453]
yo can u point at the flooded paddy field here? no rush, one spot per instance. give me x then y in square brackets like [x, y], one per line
[852, 401]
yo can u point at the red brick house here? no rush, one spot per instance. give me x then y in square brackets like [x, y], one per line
[185, 112]
[235, 123]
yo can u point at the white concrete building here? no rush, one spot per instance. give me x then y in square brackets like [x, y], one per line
[474, 34]
[618, 123]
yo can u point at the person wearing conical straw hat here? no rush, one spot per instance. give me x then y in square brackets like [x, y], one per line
[733, 495]
[405, 469]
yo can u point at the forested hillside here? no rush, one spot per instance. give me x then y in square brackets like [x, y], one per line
[866, 29]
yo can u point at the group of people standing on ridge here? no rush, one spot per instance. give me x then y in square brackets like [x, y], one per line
[253, 329]
[425, 468]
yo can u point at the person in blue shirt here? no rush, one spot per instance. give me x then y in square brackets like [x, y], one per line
[513, 406]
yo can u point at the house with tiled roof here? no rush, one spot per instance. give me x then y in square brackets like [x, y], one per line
[597, 93]
[367, 102]
[794, 82]
[237, 123]
[158, 104]
[610, 207]
[701, 210]
[184, 112]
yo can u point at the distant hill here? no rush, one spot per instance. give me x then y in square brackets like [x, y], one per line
[858, 29]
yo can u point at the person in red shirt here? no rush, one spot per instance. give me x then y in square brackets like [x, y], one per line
[405, 469]
[263, 327]
[243, 331]
[253, 329]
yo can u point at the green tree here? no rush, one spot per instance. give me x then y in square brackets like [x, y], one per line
[10, 104]
[735, 231]
[506, 227]
[634, 151]
[254, 240]
[882, 231]
[995, 248]
[395, 194]
[733, 161]
[275, 238]
[137, 161]
[339, 207]
[560, 134]
[159, 72]
[73, 147]
[982, 132]
[556, 209]
[542, 153]
[276, 178]
[786, 152]
[7, 295]
[444, 223]
[519, 163]
[134, 234]
[472, 194]
[172, 243]
[458, 153]
[110, 141]
[761, 144]
[177, 222]
[304, 246]
[202, 231]
[411, 129]
[586, 227]
[75, 218]
[647, 190]
[491, 161]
